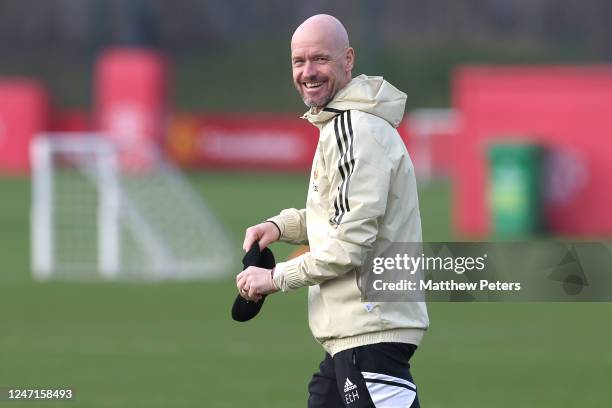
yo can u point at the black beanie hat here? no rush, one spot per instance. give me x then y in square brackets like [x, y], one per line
[244, 310]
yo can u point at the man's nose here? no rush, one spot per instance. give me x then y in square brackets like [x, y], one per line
[310, 70]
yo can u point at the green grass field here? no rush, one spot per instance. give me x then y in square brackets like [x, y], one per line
[175, 345]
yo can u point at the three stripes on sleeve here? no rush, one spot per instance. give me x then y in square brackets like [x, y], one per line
[346, 163]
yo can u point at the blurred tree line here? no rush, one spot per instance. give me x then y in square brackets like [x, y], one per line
[58, 40]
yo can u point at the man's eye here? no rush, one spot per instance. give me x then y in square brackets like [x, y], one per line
[297, 62]
[321, 59]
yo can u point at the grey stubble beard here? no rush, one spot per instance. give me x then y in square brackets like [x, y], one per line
[311, 104]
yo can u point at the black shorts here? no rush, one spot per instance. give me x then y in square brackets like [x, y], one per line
[375, 375]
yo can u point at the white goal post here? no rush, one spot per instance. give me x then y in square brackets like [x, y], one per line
[94, 218]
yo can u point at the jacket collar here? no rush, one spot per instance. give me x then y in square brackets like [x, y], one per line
[322, 117]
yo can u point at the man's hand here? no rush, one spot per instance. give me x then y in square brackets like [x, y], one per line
[254, 282]
[266, 233]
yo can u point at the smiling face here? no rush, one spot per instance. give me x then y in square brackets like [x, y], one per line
[321, 60]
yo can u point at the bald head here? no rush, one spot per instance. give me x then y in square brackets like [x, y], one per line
[323, 29]
[322, 59]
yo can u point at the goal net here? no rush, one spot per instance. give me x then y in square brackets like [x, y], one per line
[93, 217]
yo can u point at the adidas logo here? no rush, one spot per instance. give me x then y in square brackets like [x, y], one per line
[348, 385]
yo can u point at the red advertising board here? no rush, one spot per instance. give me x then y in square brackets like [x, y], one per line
[428, 135]
[567, 109]
[131, 101]
[24, 112]
[70, 120]
[242, 141]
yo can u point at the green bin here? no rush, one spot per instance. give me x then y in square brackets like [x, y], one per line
[515, 193]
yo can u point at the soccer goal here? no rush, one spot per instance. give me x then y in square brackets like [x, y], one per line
[93, 217]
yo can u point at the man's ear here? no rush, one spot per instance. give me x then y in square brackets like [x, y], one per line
[350, 58]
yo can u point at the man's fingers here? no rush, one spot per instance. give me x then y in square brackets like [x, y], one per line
[250, 283]
[252, 293]
[243, 288]
[240, 283]
[269, 236]
[249, 238]
[251, 235]
[266, 233]
[263, 242]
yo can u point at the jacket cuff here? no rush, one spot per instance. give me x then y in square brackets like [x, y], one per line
[288, 225]
[287, 275]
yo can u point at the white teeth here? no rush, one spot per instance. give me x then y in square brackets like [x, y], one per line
[312, 84]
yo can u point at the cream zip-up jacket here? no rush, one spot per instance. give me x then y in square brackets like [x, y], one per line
[362, 197]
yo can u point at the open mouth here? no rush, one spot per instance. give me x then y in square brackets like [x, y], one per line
[312, 85]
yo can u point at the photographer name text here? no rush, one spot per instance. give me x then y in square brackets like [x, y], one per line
[449, 285]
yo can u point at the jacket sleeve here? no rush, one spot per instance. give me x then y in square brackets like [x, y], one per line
[292, 225]
[360, 176]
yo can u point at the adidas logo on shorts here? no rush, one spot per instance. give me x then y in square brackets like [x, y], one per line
[349, 386]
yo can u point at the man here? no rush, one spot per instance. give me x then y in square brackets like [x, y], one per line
[362, 198]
